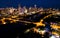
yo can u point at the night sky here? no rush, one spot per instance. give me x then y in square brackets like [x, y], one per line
[28, 3]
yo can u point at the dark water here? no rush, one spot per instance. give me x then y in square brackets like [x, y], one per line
[28, 3]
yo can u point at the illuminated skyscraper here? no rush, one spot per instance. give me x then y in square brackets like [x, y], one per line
[19, 8]
[25, 9]
[35, 8]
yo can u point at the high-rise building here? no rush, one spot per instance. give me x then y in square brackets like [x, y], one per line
[35, 8]
[25, 9]
[19, 8]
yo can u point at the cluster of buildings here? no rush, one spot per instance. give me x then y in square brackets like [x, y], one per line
[27, 11]
[18, 11]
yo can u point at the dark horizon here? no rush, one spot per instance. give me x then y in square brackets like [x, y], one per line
[28, 3]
